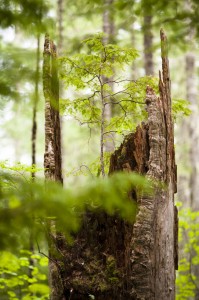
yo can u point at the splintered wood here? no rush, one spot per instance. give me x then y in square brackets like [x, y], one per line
[111, 259]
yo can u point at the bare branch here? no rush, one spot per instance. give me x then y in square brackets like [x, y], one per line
[120, 92]
[126, 100]
[106, 132]
[119, 81]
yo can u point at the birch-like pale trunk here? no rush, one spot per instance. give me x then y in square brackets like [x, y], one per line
[189, 182]
[60, 13]
[109, 31]
[148, 43]
[193, 129]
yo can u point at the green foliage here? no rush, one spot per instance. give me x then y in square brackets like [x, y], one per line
[26, 14]
[16, 70]
[25, 204]
[23, 276]
[90, 73]
[187, 275]
[180, 108]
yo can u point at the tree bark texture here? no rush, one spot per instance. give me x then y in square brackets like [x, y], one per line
[112, 259]
[52, 156]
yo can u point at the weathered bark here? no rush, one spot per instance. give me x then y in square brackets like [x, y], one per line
[52, 156]
[111, 259]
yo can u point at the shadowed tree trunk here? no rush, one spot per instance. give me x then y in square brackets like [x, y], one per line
[35, 103]
[111, 259]
[34, 134]
[52, 156]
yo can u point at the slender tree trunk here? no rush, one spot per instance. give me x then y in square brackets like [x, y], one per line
[34, 136]
[193, 126]
[111, 259]
[133, 39]
[109, 31]
[52, 156]
[60, 14]
[35, 103]
[148, 41]
[189, 183]
[60, 11]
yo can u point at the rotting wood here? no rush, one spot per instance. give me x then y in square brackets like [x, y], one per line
[111, 259]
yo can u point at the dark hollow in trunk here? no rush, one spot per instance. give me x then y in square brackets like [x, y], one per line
[111, 259]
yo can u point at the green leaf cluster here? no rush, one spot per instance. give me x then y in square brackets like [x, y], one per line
[26, 205]
[180, 108]
[187, 275]
[23, 276]
[91, 74]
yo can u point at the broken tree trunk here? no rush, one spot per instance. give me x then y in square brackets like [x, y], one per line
[111, 259]
[150, 151]
[52, 156]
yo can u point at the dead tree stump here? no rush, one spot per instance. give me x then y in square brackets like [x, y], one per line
[111, 259]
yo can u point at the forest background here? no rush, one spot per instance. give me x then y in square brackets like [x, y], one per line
[127, 24]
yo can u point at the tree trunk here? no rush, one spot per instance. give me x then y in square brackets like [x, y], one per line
[133, 40]
[60, 11]
[148, 41]
[193, 129]
[36, 98]
[111, 259]
[34, 136]
[52, 156]
[189, 183]
[109, 31]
